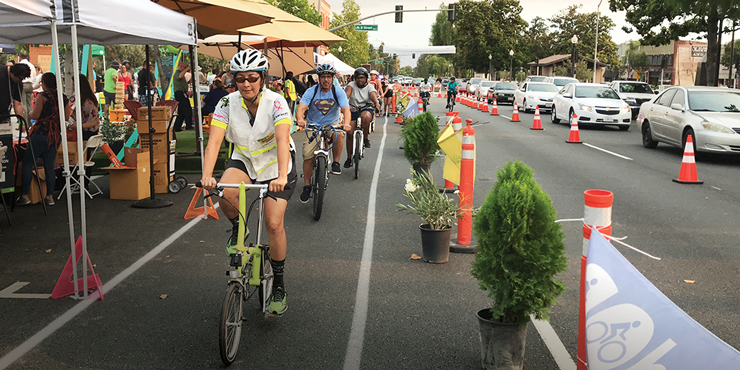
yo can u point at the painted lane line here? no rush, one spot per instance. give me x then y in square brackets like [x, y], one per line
[501, 115]
[606, 151]
[10, 292]
[60, 321]
[553, 343]
[357, 332]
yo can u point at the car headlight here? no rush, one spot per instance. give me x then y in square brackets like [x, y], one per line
[716, 127]
[630, 101]
[586, 108]
[626, 109]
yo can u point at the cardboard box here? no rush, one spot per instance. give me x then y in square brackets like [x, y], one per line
[6, 163]
[71, 153]
[131, 158]
[131, 183]
[162, 177]
[33, 193]
[161, 113]
[142, 126]
[159, 142]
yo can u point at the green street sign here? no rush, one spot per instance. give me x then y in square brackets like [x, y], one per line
[379, 62]
[366, 27]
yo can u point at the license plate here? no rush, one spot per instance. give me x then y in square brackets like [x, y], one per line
[509, 99]
[548, 105]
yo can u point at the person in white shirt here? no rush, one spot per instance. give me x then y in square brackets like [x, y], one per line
[27, 94]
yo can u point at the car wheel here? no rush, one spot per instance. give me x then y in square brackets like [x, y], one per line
[647, 136]
[554, 116]
[524, 106]
[686, 134]
[570, 118]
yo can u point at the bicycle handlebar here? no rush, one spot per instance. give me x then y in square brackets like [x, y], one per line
[264, 188]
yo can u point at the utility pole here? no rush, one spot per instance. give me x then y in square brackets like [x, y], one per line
[596, 43]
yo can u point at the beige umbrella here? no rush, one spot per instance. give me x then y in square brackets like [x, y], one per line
[221, 16]
[286, 29]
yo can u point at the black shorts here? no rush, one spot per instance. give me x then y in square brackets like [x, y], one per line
[110, 98]
[389, 93]
[356, 115]
[289, 187]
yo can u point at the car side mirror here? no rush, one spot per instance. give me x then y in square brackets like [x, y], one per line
[656, 92]
[676, 106]
[569, 96]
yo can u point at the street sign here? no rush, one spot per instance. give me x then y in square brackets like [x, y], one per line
[379, 62]
[366, 27]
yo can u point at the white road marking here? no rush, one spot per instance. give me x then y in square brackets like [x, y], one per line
[553, 343]
[606, 151]
[60, 321]
[357, 332]
[716, 188]
[10, 292]
[509, 118]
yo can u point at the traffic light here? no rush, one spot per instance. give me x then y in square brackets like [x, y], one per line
[451, 13]
[413, 55]
[399, 14]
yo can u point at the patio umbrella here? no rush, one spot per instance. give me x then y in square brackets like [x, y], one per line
[221, 16]
[287, 30]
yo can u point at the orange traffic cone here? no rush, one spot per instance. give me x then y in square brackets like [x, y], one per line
[515, 115]
[485, 106]
[457, 98]
[194, 211]
[688, 165]
[537, 123]
[399, 119]
[574, 137]
[421, 105]
[494, 110]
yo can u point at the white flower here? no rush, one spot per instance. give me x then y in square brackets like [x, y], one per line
[410, 187]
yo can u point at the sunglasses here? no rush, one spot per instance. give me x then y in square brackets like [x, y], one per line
[250, 79]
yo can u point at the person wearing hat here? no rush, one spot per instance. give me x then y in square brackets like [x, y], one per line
[109, 87]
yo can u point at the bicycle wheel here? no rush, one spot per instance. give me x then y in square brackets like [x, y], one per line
[319, 178]
[357, 154]
[266, 277]
[230, 327]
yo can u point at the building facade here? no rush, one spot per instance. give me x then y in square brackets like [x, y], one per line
[674, 64]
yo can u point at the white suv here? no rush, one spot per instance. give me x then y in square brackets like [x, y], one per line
[634, 93]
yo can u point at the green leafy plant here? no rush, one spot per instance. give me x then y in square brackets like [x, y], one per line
[115, 131]
[420, 139]
[520, 247]
[435, 208]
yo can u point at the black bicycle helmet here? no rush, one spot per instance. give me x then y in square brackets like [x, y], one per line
[361, 71]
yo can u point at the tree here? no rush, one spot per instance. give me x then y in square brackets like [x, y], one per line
[431, 65]
[735, 61]
[355, 48]
[406, 71]
[679, 18]
[569, 22]
[583, 73]
[443, 33]
[635, 60]
[299, 8]
[538, 43]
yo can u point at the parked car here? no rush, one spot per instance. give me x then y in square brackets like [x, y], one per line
[560, 81]
[445, 81]
[473, 85]
[711, 115]
[483, 88]
[418, 80]
[535, 94]
[408, 81]
[593, 104]
[535, 79]
[462, 87]
[635, 93]
[503, 92]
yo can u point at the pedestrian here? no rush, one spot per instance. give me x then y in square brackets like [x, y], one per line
[147, 81]
[125, 76]
[10, 96]
[27, 97]
[212, 98]
[180, 87]
[290, 90]
[109, 87]
[37, 82]
[43, 139]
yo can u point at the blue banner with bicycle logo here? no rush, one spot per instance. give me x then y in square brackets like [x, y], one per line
[630, 324]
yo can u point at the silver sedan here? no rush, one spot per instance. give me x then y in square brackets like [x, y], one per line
[711, 115]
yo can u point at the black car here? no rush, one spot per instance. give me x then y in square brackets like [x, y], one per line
[503, 92]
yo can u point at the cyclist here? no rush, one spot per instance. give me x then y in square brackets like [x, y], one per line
[323, 105]
[257, 121]
[451, 91]
[361, 95]
[424, 90]
[377, 84]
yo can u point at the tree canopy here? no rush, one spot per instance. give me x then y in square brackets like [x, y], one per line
[355, 50]
[569, 22]
[299, 8]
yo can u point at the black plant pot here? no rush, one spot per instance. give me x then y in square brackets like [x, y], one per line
[435, 244]
[421, 168]
[501, 344]
[116, 146]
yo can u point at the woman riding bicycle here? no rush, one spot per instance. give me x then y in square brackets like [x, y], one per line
[451, 92]
[258, 122]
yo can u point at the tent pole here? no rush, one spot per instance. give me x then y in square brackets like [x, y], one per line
[80, 155]
[199, 124]
[65, 152]
[152, 202]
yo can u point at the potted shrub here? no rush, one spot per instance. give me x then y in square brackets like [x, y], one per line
[438, 213]
[115, 133]
[420, 141]
[520, 252]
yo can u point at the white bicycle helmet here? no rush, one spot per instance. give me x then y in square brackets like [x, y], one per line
[249, 60]
[374, 72]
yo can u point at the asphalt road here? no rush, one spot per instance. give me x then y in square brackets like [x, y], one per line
[419, 316]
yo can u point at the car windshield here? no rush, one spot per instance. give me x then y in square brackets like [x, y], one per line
[603, 92]
[505, 87]
[543, 87]
[487, 84]
[475, 81]
[563, 81]
[714, 101]
[537, 79]
[638, 88]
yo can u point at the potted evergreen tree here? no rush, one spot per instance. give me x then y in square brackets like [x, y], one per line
[420, 141]
[520, 252]
[437, 211]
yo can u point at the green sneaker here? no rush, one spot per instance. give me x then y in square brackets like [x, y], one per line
[231, 244]
[278, 301]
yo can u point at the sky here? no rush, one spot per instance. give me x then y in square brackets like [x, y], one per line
[416, 27]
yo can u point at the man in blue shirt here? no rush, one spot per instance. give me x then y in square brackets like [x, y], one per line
[323, 103]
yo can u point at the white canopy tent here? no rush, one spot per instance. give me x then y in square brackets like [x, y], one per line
[90, 21]
[341, 67]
